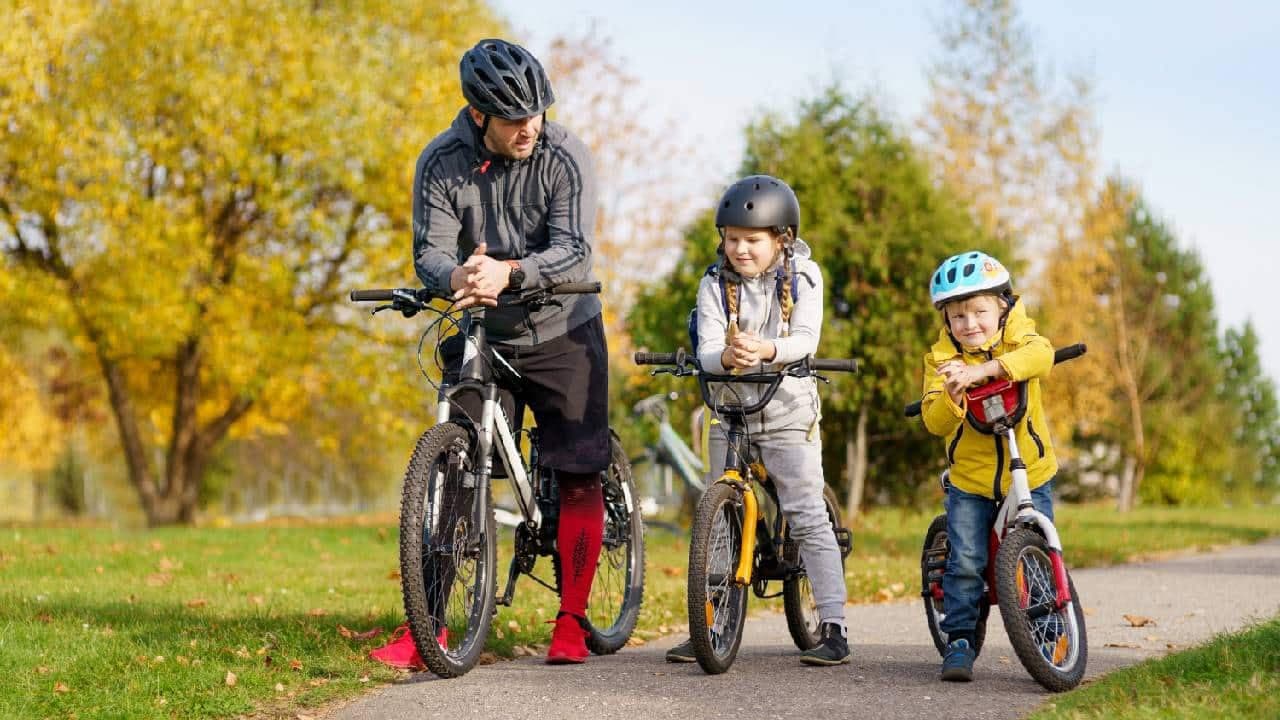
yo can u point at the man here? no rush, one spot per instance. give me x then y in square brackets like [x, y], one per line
[504, 200]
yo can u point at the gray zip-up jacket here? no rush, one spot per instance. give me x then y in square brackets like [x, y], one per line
[796, 403]
[539, 211]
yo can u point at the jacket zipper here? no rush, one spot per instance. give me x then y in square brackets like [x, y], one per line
[1032, 431]
[995, 485]
[951, 451]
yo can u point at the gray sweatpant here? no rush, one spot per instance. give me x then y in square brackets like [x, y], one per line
[795, 464]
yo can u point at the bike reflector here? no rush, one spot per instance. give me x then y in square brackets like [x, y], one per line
[997, 405]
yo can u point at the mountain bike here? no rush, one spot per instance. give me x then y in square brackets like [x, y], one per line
[659, 465]
[1026, 576]
[740, 538]
[448, 537]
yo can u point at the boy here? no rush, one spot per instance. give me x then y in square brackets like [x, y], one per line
[985, 335]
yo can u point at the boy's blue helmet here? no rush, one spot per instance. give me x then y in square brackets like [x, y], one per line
[968, 274]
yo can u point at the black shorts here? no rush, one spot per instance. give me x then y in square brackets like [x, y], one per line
[564, 382]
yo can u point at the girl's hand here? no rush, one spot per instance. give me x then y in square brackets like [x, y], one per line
[747, 350]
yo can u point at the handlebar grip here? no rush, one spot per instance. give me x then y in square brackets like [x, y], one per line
[371, 295]
[1069, 352]
[648, 358]
[912, 409]
[576, 288]
[838, 365]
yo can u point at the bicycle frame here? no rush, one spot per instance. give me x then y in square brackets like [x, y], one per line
[670, 450]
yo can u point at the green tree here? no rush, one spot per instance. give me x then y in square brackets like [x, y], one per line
[187, 190]
[1256, 438]
[878, 227]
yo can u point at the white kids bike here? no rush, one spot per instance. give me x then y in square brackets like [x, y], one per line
[1025, 575]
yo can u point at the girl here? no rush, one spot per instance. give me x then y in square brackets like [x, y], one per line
[761, 305]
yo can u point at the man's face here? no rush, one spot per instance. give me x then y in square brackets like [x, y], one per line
[514, 139]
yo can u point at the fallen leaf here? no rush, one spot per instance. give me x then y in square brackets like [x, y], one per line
[1139, 620]
[1123, 645]
[634, 641]
[672, 571]
[61, 687]
[157, 545]
[45, 618]
[317, 612]
[159, 579]
[279, 687]
[230, 679]
[166, 564]
[99, 570]
[382, 533]
[1152, 638]
[1088, 612]
[884, 594]
[513, 626]
[197, 603]
[256, 599]
[242, 652]
[488, 658]
[897, 588]
[42, 670]
[295, 665]
[300, 716]
[393, 575]
[363, 678]
[318, 682]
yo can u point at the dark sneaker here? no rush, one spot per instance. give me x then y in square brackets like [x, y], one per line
[832, 649]
[682, 653]
[957, 665]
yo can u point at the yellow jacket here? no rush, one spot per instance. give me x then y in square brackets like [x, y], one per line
[980, 463]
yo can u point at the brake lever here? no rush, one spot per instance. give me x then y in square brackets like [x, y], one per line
[380, 308]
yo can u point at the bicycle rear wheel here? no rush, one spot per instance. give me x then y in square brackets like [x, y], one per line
[801, 609]
[447, 552]
[717, 604]
[618, 589]
[1050, 641]
[933, 563]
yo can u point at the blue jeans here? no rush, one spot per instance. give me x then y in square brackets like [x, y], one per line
[969, 519]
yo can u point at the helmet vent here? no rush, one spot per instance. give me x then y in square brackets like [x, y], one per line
[751, 206]
[937, 278]
[968, 269]
[951, 275]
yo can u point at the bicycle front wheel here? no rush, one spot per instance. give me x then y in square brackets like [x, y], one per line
[801, 609]
[447, 552]
[1050, 641]
[618, 589]
[717, 604]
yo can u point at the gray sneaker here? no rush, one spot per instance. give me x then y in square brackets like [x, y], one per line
[682, 653]
[832, 649]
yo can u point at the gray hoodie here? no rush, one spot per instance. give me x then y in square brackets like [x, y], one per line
[796, 403]
[540, 211]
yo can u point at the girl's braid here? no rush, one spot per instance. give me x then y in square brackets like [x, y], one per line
[731, 301]
[788, 302]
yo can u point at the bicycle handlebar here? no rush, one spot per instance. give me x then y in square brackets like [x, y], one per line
[1061, 355]
[413, 299]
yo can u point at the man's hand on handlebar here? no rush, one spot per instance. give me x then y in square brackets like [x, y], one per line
[479, 280]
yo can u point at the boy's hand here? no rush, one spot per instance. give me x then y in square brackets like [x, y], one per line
[958, 377]
[748, 350]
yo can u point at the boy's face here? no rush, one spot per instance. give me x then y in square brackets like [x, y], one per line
[750, 250]
[974, 320]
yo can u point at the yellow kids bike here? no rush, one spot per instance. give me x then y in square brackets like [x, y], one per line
[739, 538]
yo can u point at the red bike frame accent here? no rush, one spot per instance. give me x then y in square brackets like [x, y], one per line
[1060, 578]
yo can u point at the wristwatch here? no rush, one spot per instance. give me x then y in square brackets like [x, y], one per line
[516, 281]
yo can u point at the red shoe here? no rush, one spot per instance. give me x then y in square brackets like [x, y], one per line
[568, 641]
[400, 652]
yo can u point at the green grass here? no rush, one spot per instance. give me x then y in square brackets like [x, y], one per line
[1233, 676]
[103, 623]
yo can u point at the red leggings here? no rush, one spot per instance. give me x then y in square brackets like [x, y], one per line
[580, 532]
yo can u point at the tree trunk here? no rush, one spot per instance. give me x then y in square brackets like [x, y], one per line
[855, 463]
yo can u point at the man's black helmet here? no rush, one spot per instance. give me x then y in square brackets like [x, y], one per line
[759, 201]
[505, 80]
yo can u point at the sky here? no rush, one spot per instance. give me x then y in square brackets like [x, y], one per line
[1187, 97]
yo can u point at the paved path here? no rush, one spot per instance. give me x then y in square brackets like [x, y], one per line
[894, 671]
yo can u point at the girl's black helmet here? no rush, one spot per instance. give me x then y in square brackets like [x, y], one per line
[759, 201]
[504, 80]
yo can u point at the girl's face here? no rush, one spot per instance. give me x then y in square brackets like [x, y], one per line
[751, 251]
[974, 321]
